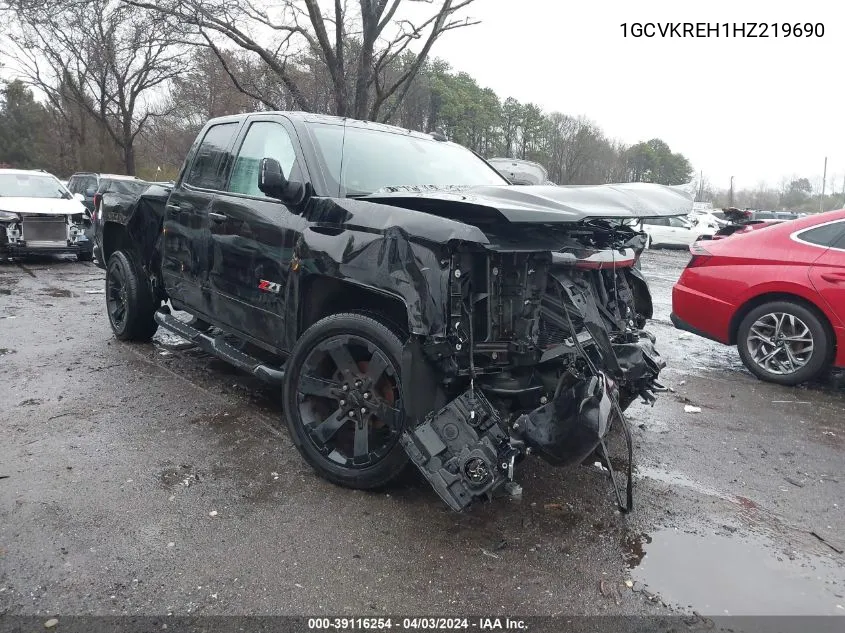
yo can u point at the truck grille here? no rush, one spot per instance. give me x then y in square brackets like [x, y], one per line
[41, 229]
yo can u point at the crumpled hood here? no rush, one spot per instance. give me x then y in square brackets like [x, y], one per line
[42, 206]
[542, 203]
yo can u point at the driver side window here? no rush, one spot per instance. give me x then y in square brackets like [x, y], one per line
[264, 139]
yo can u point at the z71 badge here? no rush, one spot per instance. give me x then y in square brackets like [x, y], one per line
[269, 286]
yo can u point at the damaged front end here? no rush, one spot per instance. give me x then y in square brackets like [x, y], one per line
[544, 350]
[35, 233]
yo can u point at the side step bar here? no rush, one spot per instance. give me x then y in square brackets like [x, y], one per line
[220, 348]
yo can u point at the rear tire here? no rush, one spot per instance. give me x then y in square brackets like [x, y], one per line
[796, 351]
[129, 300]
[347, 363]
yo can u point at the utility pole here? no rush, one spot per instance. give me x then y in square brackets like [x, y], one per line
[824, 180]
[843, 192]
[732, 192]
[701, 185]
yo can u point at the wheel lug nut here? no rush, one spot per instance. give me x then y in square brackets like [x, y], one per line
[357, 383]
[342, 402]
[367, 396]
[363, 409]
[345, 387]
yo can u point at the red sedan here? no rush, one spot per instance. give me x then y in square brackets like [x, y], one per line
[776, 293]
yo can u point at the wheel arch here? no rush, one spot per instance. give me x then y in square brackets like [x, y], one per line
[769, 297]
[115, 238]
[322, 296]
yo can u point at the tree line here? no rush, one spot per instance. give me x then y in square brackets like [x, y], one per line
[792, 194]
[124, 85]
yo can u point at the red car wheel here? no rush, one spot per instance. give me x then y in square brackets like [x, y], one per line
[784, 342]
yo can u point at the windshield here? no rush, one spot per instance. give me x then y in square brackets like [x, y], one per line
[31, 186]
[366, 161]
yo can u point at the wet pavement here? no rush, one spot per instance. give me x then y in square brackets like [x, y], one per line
[154, 479]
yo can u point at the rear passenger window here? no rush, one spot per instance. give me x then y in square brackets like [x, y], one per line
[826, 235]
[210, 160]
[264, 139]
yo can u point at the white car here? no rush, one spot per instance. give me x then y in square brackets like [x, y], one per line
[674, 231]
[38, 215]
[706, 222]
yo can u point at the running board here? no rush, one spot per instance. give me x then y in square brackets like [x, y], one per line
[217, 346]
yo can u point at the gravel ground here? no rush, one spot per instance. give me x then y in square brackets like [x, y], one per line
[141, 479]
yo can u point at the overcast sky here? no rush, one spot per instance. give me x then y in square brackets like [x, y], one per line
[756, 109]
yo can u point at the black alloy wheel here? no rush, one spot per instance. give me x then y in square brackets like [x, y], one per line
[129, 299]
[343, 400]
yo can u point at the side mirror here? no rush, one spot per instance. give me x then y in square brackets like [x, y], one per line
[272, 183]
[79, 196]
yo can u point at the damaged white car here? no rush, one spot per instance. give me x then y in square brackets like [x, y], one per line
[38, 215]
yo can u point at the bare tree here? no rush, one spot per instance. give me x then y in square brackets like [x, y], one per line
[108, 57]
[361, 50]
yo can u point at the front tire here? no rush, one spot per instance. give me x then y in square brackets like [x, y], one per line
[343, 401]
[784, 342]
[129, 300]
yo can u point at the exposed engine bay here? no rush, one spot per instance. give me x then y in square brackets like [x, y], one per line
[545, 350]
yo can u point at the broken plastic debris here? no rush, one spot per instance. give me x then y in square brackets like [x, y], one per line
[100, 291]
[49, 624]
[213, 513]
[682, 383]
[629, 583]
[684, 336]
[490, 554]
[688, 408]
[274, 475]
[171, 544]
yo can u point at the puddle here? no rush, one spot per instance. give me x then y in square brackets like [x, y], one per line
[716, 574]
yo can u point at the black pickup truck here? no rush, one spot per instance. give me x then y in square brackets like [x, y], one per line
[413, 305]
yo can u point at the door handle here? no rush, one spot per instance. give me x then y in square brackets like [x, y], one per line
[173, 207]
[217, 217]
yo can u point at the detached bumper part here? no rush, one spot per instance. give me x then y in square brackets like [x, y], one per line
[570, 427]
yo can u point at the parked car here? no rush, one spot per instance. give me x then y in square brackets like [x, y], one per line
[117, 193]
[706, 223]
[412, 305]
[39, 215]
[777, 294]
[87, 184]
[742, 221]
[673, 232]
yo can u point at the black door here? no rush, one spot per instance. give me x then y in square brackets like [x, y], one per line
[252, 236]
[187, 236]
